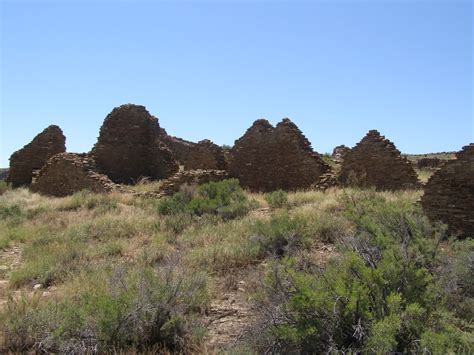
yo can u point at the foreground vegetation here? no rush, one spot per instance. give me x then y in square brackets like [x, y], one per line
[344, 270]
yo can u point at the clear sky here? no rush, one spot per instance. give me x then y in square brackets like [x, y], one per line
[209, 69]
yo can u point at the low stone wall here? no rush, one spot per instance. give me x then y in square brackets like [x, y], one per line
[449, 194]
[34, 155]
[67, 173]
[376, 162]
[267, 158]
[190, 177]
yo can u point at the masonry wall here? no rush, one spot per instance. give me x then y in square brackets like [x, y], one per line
[449, 194]
[268, 158]
[67, 173]
[34, 155]
[129, 147]
[376, 162]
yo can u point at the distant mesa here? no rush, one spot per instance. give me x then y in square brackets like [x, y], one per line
[129, 147]
[24, 162]
[376, 162]
[449, 194]
[67, 173]
[268, 158]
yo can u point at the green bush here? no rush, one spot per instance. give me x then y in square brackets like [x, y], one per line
[380, 295]
[281, 235]
[224, 198]
[277, 199]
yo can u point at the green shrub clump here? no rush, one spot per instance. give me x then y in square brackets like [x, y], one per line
[224, 198]
[277, 199]
[387, 291]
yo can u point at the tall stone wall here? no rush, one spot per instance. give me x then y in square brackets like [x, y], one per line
[376, 162]
[129, 146]
[34, 155]
[268, 158]
[449, 194]
[202, 155]
[67, 173]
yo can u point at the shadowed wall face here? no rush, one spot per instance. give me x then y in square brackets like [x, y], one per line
[129, 148]
[268, 158]
[34, 155]
[376, 162]
[449, 194]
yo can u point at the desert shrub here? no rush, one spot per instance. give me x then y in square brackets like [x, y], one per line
[280, 235]
[380, 295]
[277, 199]
[123, 308]
[224, 198]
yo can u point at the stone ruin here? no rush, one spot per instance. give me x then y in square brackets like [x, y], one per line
[201, 155]
[24, 162]
[449, 194]
[339, 153]
[190, 177]
[129, 147]
[376, 162]
[268, 158]
[67, 173]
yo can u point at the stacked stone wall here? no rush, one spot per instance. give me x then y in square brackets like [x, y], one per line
[32, 157]
[449, 194]
[67, 173]
[376, 162]
[268, 158]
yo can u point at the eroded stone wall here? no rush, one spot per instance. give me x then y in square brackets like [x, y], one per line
[190, 177]
[376, 162]
[129, 146]
[449, 194]
[202, 155]
[340, 152]
[429, 163]
[67, 173]
[34, 155]
[268, 158]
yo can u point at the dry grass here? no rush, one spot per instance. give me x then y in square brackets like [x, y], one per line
[69, 241]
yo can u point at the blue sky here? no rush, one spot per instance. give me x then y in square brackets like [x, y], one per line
[209, 69]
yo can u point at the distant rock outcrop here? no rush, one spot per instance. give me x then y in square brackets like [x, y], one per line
[376, 162]
[129, 147]
[34, 155]
[201, 155]
[67, 173]
[267, 158]
[449, 194]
